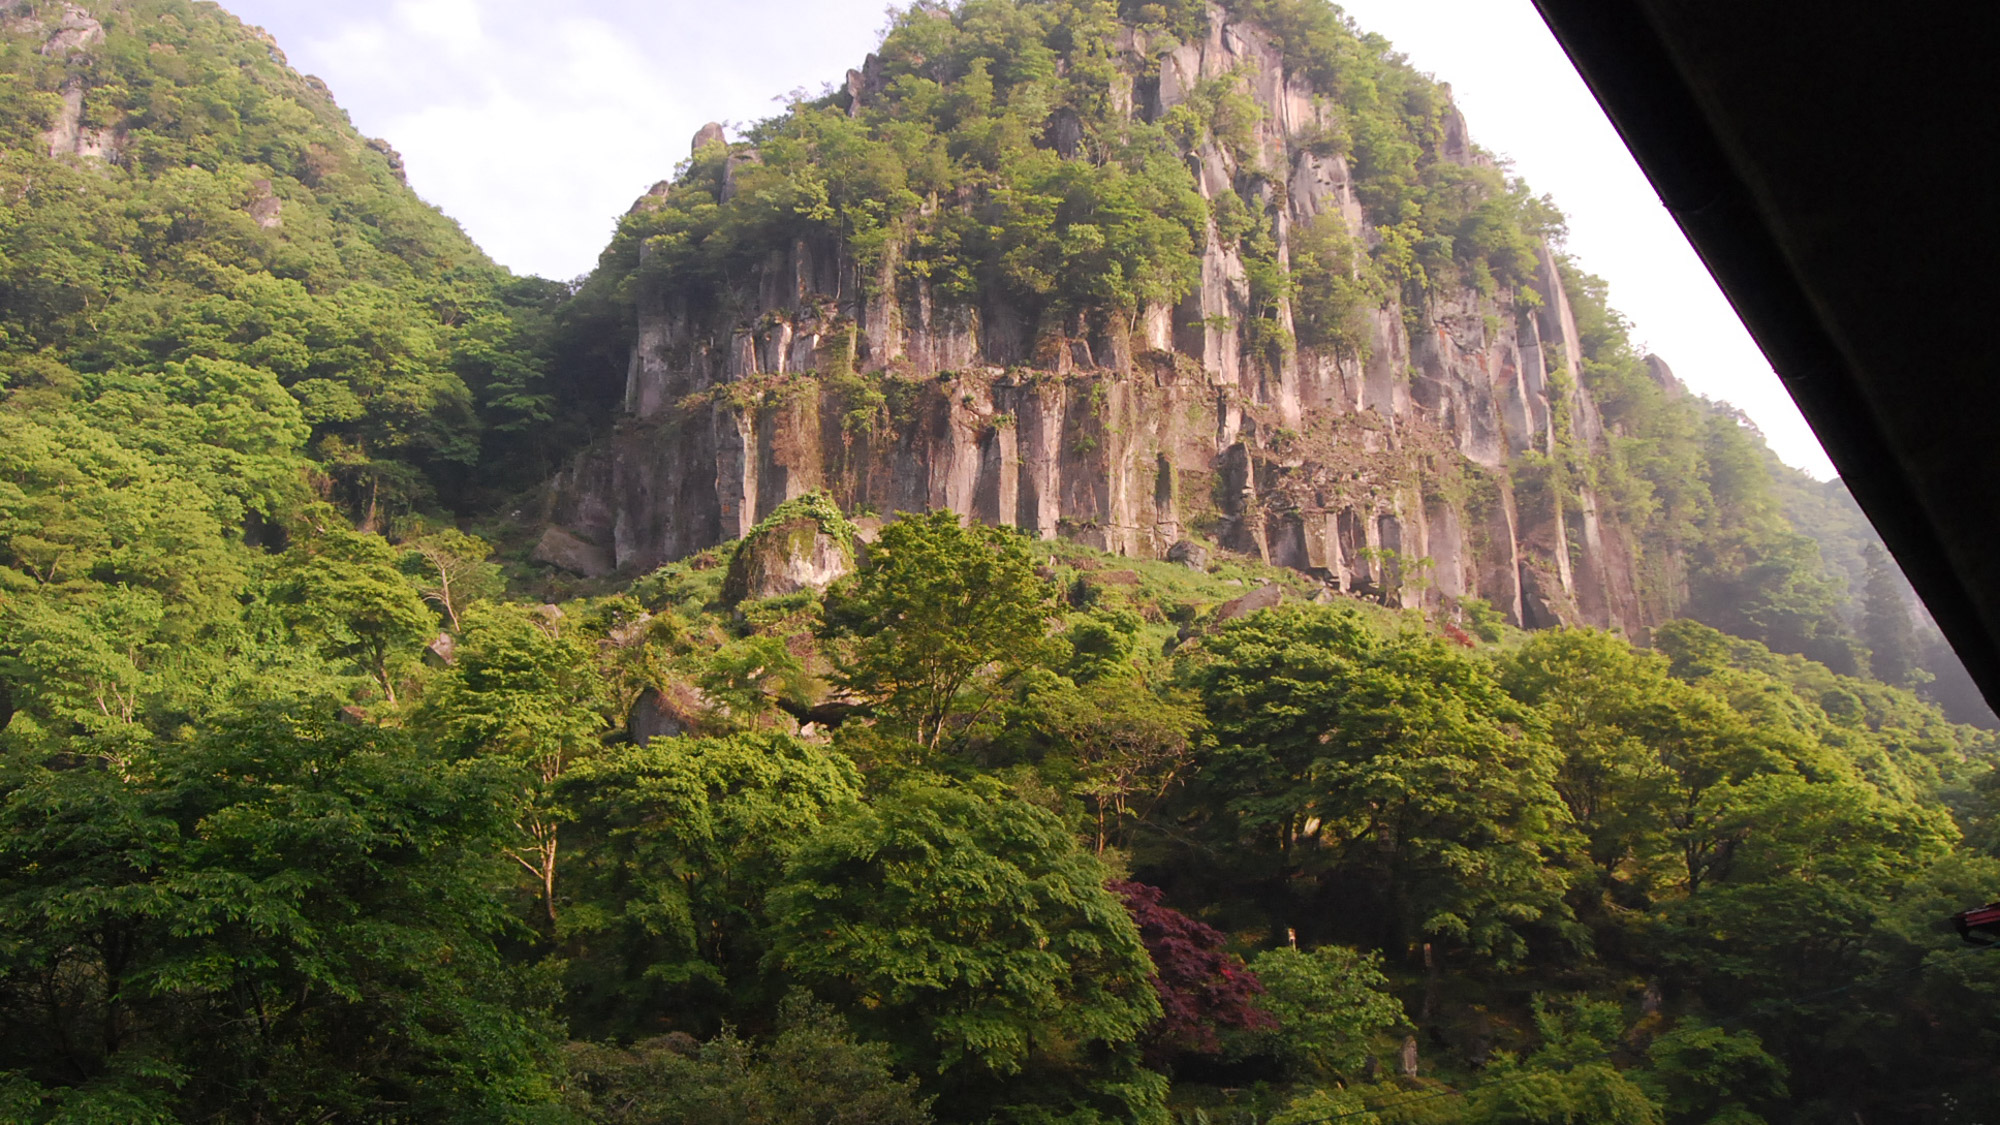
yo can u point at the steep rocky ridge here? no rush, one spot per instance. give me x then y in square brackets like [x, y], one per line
[172, 191]
[1421, 465]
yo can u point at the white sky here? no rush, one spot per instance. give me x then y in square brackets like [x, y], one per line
[535, 124]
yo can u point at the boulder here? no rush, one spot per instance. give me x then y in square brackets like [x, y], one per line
[1189, 554]
[1263, 597]
[806, 544]
[1065, 133]
[856, 88]
[442, 652]
[657, 715]
[632, 632]
[709, 134]
[1544, 604]
[559, 548]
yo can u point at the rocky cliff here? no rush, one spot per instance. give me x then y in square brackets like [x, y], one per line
[1422, 457]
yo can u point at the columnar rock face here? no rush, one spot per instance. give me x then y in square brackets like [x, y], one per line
[1417, 474]
[76, 31]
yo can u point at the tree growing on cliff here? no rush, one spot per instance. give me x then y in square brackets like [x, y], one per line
[452, 571]
[940, 622]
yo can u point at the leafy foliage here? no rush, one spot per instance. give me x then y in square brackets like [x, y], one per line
[285, 915]
[811, 1073]
[942, 618]
[975, 935]
[525, 696]
[1203, 989]
[684, 838]
[1331, 1004]
[347, 588]
[1395, 769]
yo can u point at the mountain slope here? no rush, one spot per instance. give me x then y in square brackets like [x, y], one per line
[218, 305]
[175, 191]
[1224, 271]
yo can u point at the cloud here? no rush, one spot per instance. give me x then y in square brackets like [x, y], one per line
[536, 125]
[453, 25]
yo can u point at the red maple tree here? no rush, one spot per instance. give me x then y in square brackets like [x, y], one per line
[1203, 988]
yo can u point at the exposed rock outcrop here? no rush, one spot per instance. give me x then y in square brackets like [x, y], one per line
[78, 30]
[1130, 432]
[1263, 597]
[658, 715]
[265, 208]
[559, 548]
[442, 652]
[387, 150]
[803, 545]
[73, 35]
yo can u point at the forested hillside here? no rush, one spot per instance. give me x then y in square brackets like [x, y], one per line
[322, 800]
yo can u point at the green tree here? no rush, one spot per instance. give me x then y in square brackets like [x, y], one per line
[1593, 1092]
[1392, 766]
[1332, 1003]
[452, 571]
[1702, 1074]
[1316, 1107]
[747, 678]
[1892, 641]
[1795, 877]
[278, 918]
[1639, 750]
[526, 694]
[940, 621]
[1569, 1078]
[1119, 743]
[344, 590]
[811, 1073]
[966, 927]
[677, 844]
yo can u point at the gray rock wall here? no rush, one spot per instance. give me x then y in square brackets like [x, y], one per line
[1399, 476]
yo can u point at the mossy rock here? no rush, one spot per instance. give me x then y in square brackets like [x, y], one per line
[805, 544]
